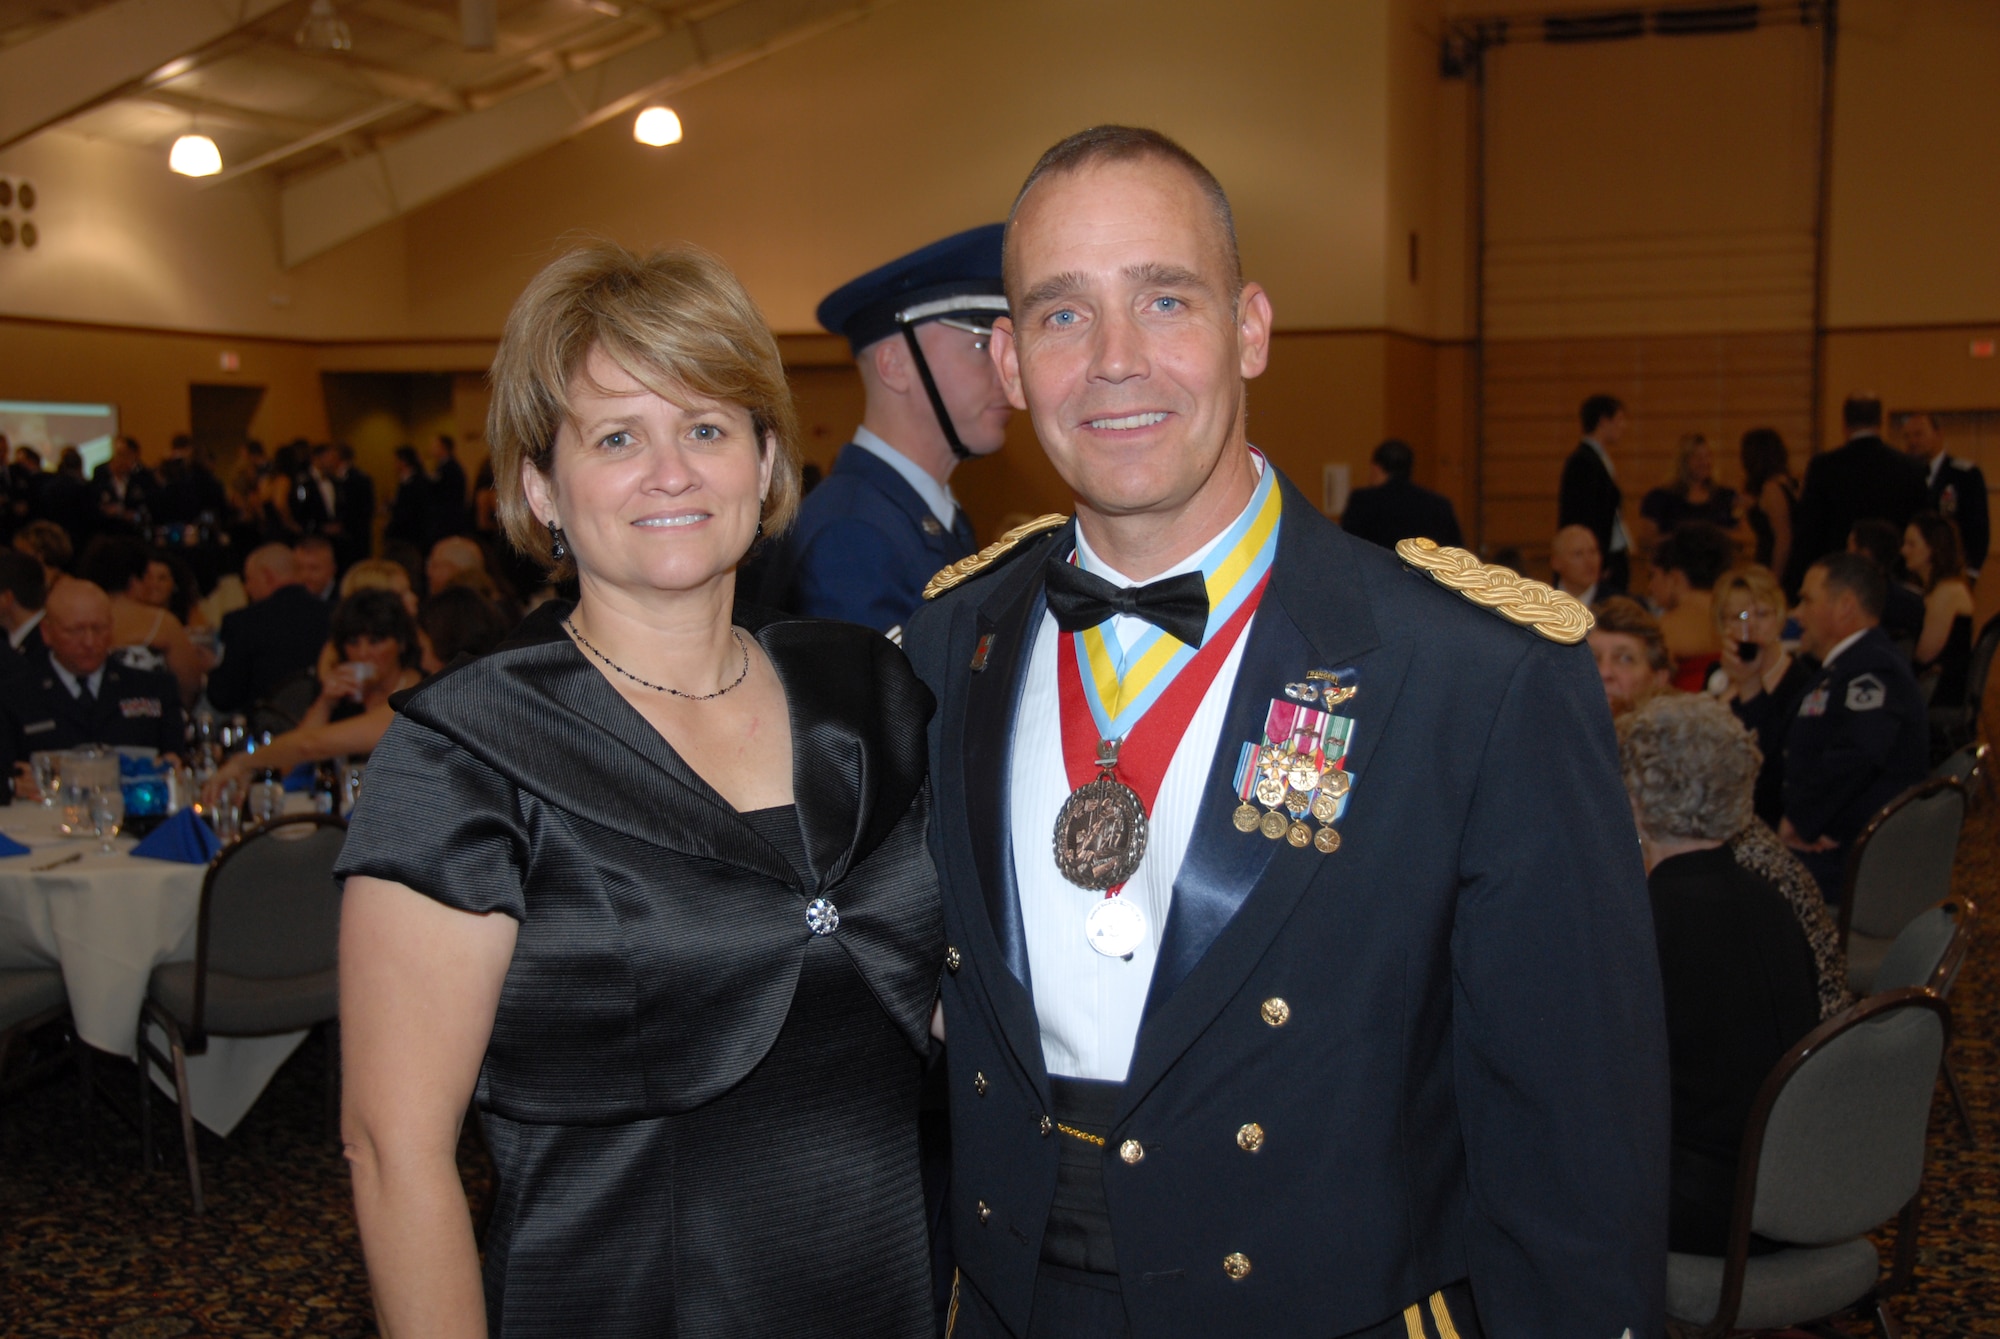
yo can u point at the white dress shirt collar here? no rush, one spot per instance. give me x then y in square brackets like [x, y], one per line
[20, 634]
[936, 496]
[71, 682]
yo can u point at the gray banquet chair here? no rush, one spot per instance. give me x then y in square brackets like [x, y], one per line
[1969, 767]
[1899, 865]
[1834, 1148]
[30, 997]
[264, 961]
[1927, 956]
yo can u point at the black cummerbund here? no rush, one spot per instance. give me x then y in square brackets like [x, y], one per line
[1079, 1230]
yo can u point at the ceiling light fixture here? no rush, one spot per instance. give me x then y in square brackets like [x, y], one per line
[657, 126]
[323, 30]
[195, 156]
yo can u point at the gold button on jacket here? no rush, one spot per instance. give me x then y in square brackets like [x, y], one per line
[1236, 1265]
[1276, 1012]
[1131, 1150]
[1250, 1138]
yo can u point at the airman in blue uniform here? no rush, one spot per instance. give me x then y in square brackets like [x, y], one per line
[1861, 737]
[869, 537]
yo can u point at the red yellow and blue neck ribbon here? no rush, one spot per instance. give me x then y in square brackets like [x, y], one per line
[1121, 683]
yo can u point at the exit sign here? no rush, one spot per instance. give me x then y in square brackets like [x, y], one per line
[1982, 348]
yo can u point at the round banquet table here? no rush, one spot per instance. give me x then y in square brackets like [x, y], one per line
[107, 921]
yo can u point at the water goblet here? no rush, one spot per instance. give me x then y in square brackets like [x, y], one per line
[107, 813]
[48, 776]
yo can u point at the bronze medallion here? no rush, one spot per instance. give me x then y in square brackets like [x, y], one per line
[1325, 807]
[1245, 818]
[1336, 783]
[1327, 841]
[1273, 825]
[1302, 774]
[1298, 834]
[1100, 834]
[1298, 800]
[1271, 792]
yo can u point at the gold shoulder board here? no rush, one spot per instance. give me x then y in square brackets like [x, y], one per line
[1532, 604]
[967, 568]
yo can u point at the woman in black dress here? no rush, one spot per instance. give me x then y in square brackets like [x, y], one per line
[1748, 969]
[649, 889]
[1766, 682]
[1694, 495]
[1944, 649]
[1772, 494]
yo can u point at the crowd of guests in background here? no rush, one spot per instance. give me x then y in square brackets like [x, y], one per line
[1791, 663]
[143, 595]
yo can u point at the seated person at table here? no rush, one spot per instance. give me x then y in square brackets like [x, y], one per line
[73, 693]
[380, 574]
[458, 621]
[1632, 660]
[378, 646]
[1686, 566]
[1765, 680]
[313, 559]
[1861, 736]
[1575, 565]
[48, 544]
[1944, 649]
[1902, 604]
[23, 591]
[144, 634]
[1742, 984]
[275, 637]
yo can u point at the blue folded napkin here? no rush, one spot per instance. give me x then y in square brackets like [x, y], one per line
[184, 837]
[300, 778]
[8, 846]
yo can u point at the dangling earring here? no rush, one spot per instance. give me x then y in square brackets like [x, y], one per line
[557, 549]
[760, 531]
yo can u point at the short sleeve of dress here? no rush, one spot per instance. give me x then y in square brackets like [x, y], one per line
[434, 817]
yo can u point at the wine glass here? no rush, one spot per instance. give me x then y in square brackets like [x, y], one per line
[48, 776]
[107, 813]
[267, 799]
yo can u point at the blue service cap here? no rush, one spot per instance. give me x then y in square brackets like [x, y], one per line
[957, 279]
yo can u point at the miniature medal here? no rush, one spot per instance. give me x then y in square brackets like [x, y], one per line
[1115, 927]
[1299, 769]
[1100, 834]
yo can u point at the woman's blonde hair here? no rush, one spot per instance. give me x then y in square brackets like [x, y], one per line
[1754, 581]
[678, 322]
[1690, 443]
[375, 574]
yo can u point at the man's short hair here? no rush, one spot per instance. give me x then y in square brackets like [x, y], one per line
[1861, 411]
[1625, 615]
[1859, 575]
[1700, 551]
[1598, 408]
[316, 543]
[1395, 458]
[22, 577]
[1879, 540]
[47, 541]
[1124, 144]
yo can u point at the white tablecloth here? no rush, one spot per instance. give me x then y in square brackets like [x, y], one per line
[107, 921]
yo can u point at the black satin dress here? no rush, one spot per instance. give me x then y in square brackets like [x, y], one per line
[703, 1114]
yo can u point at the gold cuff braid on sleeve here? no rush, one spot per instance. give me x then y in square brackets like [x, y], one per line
[1532, 604]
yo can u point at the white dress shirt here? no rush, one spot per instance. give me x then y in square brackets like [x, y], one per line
[936, 496]
[75, 685]
[1620, 541]
[1089, 1005]
[1845, 642]
[20, 634]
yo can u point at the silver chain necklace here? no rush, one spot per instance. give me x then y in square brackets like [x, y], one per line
[569, 626]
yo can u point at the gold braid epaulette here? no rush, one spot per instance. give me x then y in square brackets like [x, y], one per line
[1532, 604]
[967, 568]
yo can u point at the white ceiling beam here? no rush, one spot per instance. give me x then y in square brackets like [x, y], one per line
[78, 64]
[320, 212]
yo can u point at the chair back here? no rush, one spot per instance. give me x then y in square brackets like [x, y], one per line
[1929, 951]
[1983, 649]
[1835, 1142]
[1901, 862]
[1967, 766]
[270, 907]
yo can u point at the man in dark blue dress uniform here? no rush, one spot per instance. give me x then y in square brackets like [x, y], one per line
[73, 693]
[1957, 488]
[1861, 737]
[885, 519]
[1301, 976]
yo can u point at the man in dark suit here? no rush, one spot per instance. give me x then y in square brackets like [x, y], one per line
[189, 491]
[1957, 488]
[1589, 494]
[449, 514]
[279, 634]
[354, 509]
[1861, 736]
[1865, 477]
[73, 693]
[1392, 508]
[122, 489]
[23, 593]
[1365, 1037]
[872, 533]
[315, 496]
[1902, 619]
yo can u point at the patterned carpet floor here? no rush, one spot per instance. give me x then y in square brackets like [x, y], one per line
[100, 1248]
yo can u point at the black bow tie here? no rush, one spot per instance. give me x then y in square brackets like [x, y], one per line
[1178, 606]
